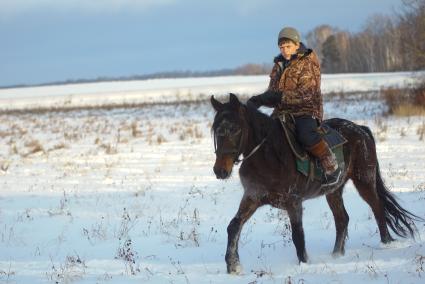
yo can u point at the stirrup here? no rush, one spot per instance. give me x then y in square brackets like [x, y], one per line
[333, 178]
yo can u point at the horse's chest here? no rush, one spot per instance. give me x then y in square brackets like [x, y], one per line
[255, 179]
[263, 188]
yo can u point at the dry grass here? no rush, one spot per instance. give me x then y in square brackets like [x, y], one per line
[421, 131]
[4, 134]
[73, 269]
[4, 165]
[189, 131]
[408, 110]
[34, 147]
[405, 102]
[381, 130]
[135, 132]
[419, 94]
[58, 146]
[160, 139]
[110, 148]
[13, 150]
[395, 97]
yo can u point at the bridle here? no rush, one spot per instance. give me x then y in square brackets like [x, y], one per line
[236, 152]
[237, 161]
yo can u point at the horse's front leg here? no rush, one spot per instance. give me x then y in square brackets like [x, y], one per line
[295, 213]
[247, 207]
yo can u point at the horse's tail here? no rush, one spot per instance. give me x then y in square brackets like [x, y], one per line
[397, 218]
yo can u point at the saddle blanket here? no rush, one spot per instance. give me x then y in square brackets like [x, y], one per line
[308, 165]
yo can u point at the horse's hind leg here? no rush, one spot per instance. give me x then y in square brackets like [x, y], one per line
[247, 207]
[365, 176]
[341, 220]
[367, 190]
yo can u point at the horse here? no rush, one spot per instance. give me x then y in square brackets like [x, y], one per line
[269, 176]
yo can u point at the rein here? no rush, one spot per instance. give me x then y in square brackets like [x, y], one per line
[237, 161]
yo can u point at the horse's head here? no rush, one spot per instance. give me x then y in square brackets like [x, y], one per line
[228, 129]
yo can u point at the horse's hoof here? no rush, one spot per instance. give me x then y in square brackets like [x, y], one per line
[234, 269]
[337, 254]
[387, 239]
[302, 258]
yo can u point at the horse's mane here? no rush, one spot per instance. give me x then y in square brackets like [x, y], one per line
[267, 127]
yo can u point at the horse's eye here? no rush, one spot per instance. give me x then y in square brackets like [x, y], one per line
[220, 131]
[233, 128]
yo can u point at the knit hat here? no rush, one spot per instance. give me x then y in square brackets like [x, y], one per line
[289, 33]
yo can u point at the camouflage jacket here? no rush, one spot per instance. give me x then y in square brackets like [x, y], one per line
[298, 79]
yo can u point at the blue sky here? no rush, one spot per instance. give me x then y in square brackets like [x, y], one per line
[55, 40]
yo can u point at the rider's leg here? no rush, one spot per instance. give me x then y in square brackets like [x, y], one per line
[309, 137]
[306, 131]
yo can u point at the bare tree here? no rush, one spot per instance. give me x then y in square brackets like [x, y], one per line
[317, 37]
[412, 33]
[343, 40]
[331, 56]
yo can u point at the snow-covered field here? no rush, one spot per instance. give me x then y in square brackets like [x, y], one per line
[128, 195]
[177, 90]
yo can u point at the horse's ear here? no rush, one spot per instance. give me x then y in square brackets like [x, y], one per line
[216, 104]
[234, 101]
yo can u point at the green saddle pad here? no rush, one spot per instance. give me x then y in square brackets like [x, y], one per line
[312, 167]
[306, 164]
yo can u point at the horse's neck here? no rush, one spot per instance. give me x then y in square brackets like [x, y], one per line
[276, 142]
[257, 132]
[252, 142]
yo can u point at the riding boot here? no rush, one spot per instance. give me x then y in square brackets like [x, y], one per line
[328, 161]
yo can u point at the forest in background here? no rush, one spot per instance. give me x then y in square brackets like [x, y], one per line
[386, 43]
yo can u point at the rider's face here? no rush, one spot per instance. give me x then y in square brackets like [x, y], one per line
[288, 48]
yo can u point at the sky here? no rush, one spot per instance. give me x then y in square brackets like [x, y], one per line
[56, 40]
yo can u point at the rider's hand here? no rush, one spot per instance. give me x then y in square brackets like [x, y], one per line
[254, 102]
[268, 98]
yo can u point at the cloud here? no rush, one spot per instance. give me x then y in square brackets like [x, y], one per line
[14, 8]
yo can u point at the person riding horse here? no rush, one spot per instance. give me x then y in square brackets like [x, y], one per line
[294, 90]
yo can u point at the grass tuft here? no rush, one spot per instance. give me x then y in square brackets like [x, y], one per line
[405, 102]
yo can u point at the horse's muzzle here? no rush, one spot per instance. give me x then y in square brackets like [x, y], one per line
[223, 166]
[221, 173]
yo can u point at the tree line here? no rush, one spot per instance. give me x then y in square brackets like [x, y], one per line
[386, 43]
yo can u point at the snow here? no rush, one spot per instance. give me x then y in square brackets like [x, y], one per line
[128, 195]
[176, 90]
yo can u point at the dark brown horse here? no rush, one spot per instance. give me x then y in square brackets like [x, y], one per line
[269, 176]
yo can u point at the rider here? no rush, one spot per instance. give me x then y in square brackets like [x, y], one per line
[294, 89]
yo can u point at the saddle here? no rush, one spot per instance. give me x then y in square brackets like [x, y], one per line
[307, 164]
